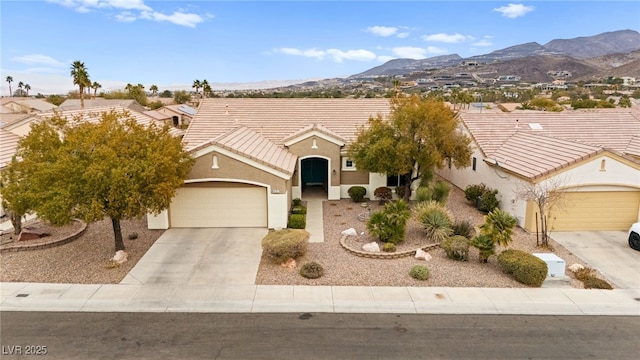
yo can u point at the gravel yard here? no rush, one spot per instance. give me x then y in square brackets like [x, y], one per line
[86, 260]
[82, 261]
[344, 268]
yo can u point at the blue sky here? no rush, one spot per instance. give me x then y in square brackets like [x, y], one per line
[172, 43]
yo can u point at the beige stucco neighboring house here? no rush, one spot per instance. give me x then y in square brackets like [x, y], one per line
[180, 115]
[594, 156]
[75, 104]
[26, 105]
[253, 156]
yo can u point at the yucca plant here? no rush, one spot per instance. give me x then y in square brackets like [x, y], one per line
[440, 191]
[435, 219]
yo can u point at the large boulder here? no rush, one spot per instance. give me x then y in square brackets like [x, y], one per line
[30, 234]
[422, 255]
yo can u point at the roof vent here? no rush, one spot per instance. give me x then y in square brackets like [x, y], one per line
[535, 126]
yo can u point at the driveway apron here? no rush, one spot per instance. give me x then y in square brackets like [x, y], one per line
[201, 256]
[606, 251]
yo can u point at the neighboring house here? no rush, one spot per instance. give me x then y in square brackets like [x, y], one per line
[593, 154]
[163, 118]
[180, 115]
[25, 105]
[253, 156]
[75, 104]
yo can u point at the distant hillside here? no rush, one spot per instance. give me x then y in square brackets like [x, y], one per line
[560, 54]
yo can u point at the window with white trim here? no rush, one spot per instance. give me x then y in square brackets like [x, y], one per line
[348, 164]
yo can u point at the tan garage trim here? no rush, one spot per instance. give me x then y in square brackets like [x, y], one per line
[596, 210]
[215, 206]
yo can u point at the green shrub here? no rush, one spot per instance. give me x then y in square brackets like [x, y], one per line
[596, 283]
[400, 191]
[419, 272]
[383, 194]
[311, 270]
[485, 246]
[435, 219]
[525, 268]
[473, 192]
[389, 225]
[297, 221]
[389, 247]
[357, 193]
[456, 247]
[463, 228]
[297, 202]
[299, 209]
[423, 193]
[282, 245]
[498, 225]
[488, 201]
[440, 191]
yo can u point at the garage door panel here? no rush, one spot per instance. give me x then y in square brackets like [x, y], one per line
[219, 207]
[591, 211]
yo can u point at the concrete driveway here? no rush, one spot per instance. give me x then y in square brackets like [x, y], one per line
[606, 251]
[201, 256]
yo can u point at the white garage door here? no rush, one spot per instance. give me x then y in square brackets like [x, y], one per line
[219, 207]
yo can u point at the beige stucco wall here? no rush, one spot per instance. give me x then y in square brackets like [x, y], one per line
[618, 174]
[229, 168]
[325, 149]
[354, 177]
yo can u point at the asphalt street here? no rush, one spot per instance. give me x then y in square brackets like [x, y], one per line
[85, 335]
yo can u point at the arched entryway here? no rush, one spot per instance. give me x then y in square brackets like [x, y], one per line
[314, 176]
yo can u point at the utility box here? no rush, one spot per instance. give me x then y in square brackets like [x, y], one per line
[555, 265]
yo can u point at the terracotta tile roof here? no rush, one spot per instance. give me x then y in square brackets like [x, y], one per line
[75, 104]
[314, 127]
[521, 135]
[252, 145]
[94, 114]
[279, 119]
[633, 148]
[8, 146]
[157, 115]
[536, 155]
[12, 118]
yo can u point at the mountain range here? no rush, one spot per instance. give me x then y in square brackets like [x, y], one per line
[616, 53]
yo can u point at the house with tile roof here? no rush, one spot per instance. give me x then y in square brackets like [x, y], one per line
[253, 156]
[180, 114]
[593, 154]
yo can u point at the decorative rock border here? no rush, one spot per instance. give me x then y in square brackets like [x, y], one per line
[382, 255]
[44, 243]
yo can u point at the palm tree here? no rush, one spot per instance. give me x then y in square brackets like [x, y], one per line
[20, 85]
[27, 87]
[95, 86]
[154, 90]
[197, 85]
[205, 88]
[80, 78]
[9, 79]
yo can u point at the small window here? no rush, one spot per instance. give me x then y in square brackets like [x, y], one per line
[603, 165]
[473, 164]
[449, 162]
[348, 164]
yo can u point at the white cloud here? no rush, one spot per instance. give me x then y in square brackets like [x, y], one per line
[446, 38]
[37, 59]
[178, 18]
[129, 6]
[382, 30]
[403, 35]
[126, 16]
[357, 55]
[513, 11]
[336, 55]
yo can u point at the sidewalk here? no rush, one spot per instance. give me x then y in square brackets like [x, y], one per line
[332, 299]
